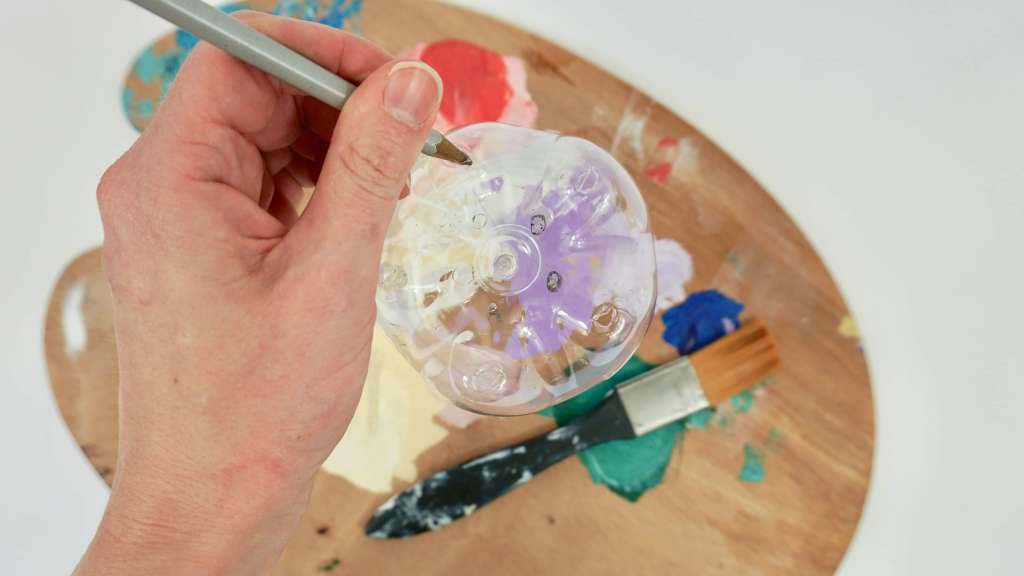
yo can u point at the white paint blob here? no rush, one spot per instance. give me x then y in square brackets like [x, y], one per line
[687, 160]
[457, 417]
[675, 269]
[630, 130]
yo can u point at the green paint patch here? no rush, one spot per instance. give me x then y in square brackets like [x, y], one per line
[631, 467]
[736, 263]
[753, 464]
[700, 419]
[773, 439]
[743, 402]
[628, 467]
[724, 420]
[330, 565]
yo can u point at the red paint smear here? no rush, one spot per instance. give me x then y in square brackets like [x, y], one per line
[475, 89]
[667, 143]
[665, 150]
[658, 171]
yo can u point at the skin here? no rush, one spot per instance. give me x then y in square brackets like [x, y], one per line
[244, 326]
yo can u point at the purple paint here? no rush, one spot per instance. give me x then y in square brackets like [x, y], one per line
[571, 239]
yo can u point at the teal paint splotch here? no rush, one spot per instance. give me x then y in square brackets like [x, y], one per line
[128, 99]
[743, 402]
[724, 420]
[753, 464]
[148, 66]
[628, 467]
[701, 419]
[294, 9]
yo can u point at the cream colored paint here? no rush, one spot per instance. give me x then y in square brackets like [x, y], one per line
[392, 426]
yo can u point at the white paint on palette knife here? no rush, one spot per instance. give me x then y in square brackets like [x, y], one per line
[675, 269]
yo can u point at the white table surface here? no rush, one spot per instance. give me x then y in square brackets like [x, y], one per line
[891, 131]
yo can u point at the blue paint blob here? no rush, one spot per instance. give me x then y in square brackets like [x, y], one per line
[185, 40]
[700, 320]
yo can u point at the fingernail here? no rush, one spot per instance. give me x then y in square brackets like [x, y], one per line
[413, 93]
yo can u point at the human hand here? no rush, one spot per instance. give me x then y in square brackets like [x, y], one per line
[243, 330]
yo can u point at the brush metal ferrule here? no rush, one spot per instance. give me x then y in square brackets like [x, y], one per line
[662, 396]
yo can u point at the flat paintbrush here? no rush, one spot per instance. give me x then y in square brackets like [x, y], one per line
[249, 45]
[649, 401]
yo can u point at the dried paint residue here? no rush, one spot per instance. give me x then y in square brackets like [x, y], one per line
[742, 402]
[675, 269]
[329, 565]
[753, 465]
[754, 454]
[672, 156]
[392, 426]
[480, 85]
[632, 125]
[848, 327]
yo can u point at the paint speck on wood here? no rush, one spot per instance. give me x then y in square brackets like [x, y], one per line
[329, 565]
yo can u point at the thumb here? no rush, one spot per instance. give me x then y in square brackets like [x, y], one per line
[377, 140]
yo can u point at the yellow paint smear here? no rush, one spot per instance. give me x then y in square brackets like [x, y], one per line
[848, 327]
[392, 426]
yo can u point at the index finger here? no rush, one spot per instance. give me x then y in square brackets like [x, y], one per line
[347, 55]
[231, 98]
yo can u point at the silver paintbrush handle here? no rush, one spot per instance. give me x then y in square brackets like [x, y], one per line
[259, 50]
[249, 45]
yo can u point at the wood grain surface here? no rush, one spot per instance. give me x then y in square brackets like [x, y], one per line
[702, 519]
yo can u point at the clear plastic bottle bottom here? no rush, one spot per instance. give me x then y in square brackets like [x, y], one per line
[522, 280]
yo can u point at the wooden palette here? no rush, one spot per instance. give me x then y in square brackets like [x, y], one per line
[702, 519]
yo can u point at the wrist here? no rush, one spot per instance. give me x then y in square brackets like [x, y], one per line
[234, 521]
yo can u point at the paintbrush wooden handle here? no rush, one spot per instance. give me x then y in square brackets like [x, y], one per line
[459, 491]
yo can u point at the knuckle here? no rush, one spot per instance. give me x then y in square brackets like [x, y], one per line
[203, 52]
[375, 170]
[110, 186]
